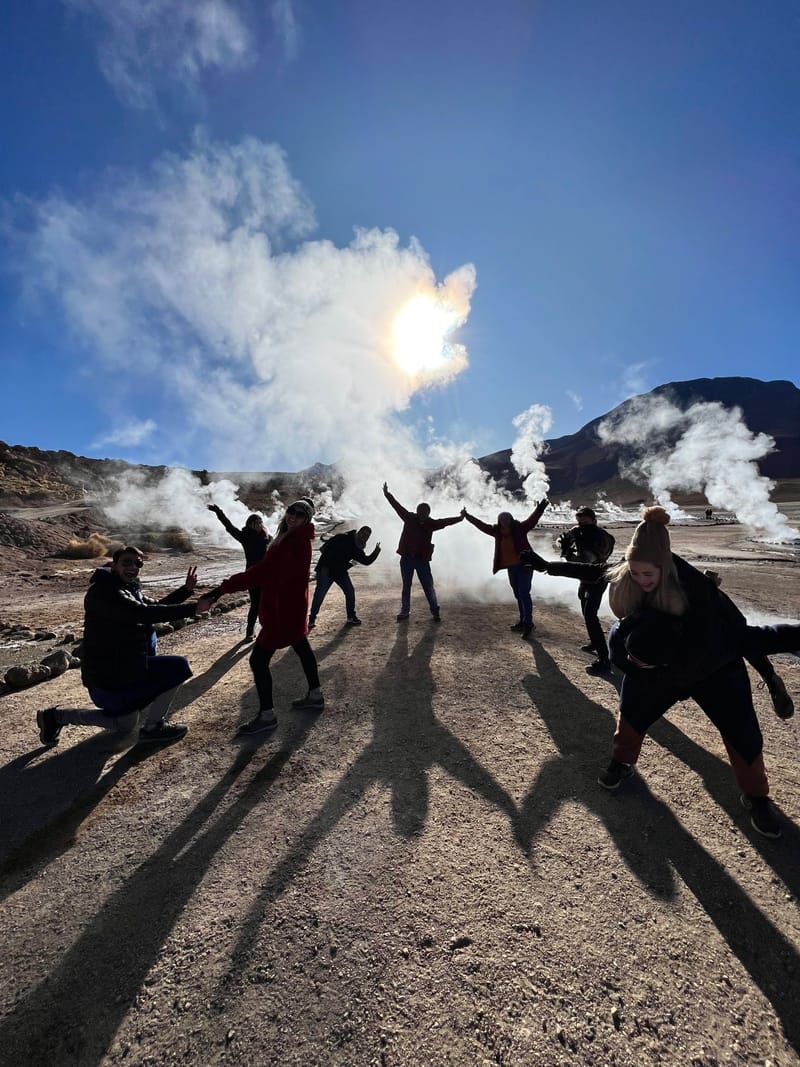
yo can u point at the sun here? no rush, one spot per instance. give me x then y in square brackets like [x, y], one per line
[421, 348]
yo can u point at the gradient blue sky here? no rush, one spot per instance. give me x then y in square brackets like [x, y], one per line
[623, 176]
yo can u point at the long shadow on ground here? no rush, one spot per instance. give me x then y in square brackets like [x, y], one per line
[650, 840]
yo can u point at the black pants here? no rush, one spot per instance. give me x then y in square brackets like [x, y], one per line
[252, 615]
[763, 641]
[590, 595]
[260, 659]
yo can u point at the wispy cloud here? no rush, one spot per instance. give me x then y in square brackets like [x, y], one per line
[576, 399]
[146, 45]
[130, 433]
[286, 27]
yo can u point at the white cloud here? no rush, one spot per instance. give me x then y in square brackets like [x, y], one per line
[285, 23]
[576, 399]
[129, 433]
[147, 44]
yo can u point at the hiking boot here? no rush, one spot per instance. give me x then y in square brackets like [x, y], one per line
[403, 616]
[309, 703]
[162, 731]
[249, 636]
[762, 816]
[615, 774]
[527, 630]
[265, 720]
[600, 668]
[587, 648]
[516, 628]
[353, 620]
[782, 703]
[436, 617]
[49, 729]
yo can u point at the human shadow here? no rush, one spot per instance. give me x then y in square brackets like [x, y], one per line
[200, 684]
[45, 801]
[650, 840]
[408, 740]
[121, 943]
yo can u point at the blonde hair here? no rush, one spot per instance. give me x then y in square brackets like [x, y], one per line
[650, 544]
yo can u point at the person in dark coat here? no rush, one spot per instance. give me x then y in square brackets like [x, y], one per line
[510, 539]
[681, 637]
[282, 576]
[416, 551]
[254, 539]
[335, 560]
[120, 666]
[589, 543]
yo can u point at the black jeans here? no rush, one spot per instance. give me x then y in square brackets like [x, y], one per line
[260, 659]
[252, 615]
[590, 595]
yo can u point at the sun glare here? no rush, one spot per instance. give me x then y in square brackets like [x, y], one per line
[420, 336]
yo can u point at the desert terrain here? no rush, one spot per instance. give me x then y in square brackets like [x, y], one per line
[427, 873]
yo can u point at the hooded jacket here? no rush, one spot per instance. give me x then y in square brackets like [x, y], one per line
[118, 633]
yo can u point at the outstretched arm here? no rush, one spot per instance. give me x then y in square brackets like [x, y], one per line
[226, 522]
[533, 519]
[401, 511]
[484, 527]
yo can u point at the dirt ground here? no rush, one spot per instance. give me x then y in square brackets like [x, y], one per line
[427, 873]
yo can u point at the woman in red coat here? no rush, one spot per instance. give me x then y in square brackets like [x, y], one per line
[282, 576]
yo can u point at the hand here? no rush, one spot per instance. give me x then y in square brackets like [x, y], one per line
[191, 578]
[385, 488]
[214, 508]
[204, 604]
[463, 513]
[377, 544]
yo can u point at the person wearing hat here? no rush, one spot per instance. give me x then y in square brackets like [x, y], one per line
[510, 539]
[416, 551]
[679, 637]
[254, 539]
[587, 542]
[282, 576]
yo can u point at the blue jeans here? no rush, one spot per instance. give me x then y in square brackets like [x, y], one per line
[409, 566]
[519, 578]
[324, 581]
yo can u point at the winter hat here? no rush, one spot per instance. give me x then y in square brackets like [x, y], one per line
[585, 513]
[650, 542]
[303, 505]
[654, 640]
[505, 515]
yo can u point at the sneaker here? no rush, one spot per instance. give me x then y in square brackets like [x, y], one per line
[762, 816]
[403, 616]
[311, 624]
[309, 703]
[516, 628]
[437, 617]
[163, 731]
[265, 720]
[781, 701]
[49, 729]
[615, 774]
[601, 668]
[527, 630]
[354, 620]
[587, 648]
[249, 636]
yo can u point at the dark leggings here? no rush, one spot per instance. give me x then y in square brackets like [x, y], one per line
[260, 659]
[252, 614]
[763, 641]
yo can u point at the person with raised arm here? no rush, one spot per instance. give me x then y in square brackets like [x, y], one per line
[415, 550]
[254, 539]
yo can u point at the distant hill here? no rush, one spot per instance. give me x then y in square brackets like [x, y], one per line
[580, 465]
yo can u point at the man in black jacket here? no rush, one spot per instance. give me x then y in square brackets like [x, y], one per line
[335, 560]
[589, 543]
[119, 665]
[254, 539]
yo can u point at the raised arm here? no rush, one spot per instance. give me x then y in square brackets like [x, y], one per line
[533, 519]
[484, 527]
[226, 522]
[401, 511]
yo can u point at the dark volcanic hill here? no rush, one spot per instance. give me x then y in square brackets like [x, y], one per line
[581, 465]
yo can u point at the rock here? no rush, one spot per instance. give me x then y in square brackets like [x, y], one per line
[67, 638]
[163, 628]
[178, 624]
[58, 662]
[22, 677]
[44, 635]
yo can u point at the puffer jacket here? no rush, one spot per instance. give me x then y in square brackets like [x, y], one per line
[118, 633]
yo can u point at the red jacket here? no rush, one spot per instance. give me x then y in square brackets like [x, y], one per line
[519, 532]
[282, 576]
[415, 540]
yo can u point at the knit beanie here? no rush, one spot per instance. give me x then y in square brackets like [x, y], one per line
[650, 542]
[504, 515]
[303, 505]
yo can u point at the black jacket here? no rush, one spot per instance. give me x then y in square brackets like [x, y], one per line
[118, 631]
[254, 542]
[586, 544]
[341, 551]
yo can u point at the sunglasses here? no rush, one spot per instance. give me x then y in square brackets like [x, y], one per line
[137, 563]
[299, 513]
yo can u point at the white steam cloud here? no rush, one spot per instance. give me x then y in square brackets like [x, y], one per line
[707, 448]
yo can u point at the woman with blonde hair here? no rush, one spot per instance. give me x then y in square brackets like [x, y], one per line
[680, 637]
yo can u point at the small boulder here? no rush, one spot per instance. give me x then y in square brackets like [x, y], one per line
[58, 662]
[25, 676]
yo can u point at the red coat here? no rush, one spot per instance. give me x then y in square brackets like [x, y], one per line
[282, 576]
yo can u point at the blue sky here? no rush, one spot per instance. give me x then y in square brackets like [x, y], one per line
[607, 194]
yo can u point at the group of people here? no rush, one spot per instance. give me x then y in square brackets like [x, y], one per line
[678, 635]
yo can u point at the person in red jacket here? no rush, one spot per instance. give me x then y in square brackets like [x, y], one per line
[282, 576]
[510, 538]
[416, 550]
